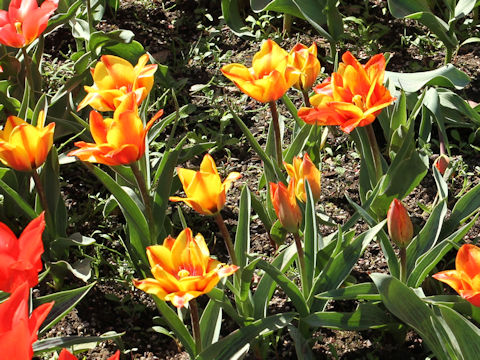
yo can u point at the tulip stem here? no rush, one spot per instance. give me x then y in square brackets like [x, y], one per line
[195, 325]
[377, 161]
[28, 73]
[142, 187]
[403, 264]
[226, 238]
[43, 200]
[276, 130]
[301, 260]
[306, 99]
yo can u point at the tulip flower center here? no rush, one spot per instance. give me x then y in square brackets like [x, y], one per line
[358, 101]
[18, 27]
[183, 273]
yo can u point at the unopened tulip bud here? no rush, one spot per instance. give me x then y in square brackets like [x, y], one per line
[286, 207]
[400, 227]
[441, 163]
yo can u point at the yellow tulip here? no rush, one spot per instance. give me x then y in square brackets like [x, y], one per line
[114, 78]
[118, 141]
[25, 147]
[270, 76]
[301, 170]
[306, 62]
[204, 189]
[182, 269]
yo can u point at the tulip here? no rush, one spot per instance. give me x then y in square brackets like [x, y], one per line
[285, 204]
[400, 227]
[306, 62]
[204, 189]
[182, 269]
[67, 355]
[441, 163]
[18, 331]
[114, 78]
[301, 170]
[25, 147]
[21, 258]
[270, 76]
[352, 97]
[24, 21]
[118, 141]
[465, 279]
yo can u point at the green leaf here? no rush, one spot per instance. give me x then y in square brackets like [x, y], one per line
[232, 17]
[210, 323]
[131, 51]
[62, 17]
[312, 241]
[311, 10]
[64, 302]
[366, 316]
[99, 39]
[280, 6]
[364, 291]
[58, 343]
[15, 196]
[60, 245]
[278, 233]
[402, 8]
[222, 299]
[438, 27]
[446, 76]
[231, 346]
[463, 8]
[465, 207]
[242, 236]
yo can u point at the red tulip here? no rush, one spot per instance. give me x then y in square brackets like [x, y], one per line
[400, 227]
[18, 331]
[285, 204]
[67, 355]
[20, 258]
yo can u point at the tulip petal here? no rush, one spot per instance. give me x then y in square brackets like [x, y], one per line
[160, 255]
[151, 286]
[468, 260]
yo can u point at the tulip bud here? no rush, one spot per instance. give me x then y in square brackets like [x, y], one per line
[301, 170]
[441, 163]
[286, 207]
[400, 227]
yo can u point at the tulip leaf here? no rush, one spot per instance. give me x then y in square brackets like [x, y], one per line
[292, 109]
[61, 18]
[210, 323]
[242, 236]
[64, 302]
[402, 8]
[302, 346]
[455, 104]
[58, 343]
[428, 236]
[299, 142]
[280, 6]
[19, 201]
[232, 17]
[131, 51]
[339, 267]
[364, 291]
[312, 240]
[314, 13]
[457, 303]
[231, 346]
[221, 298]
[402, 302]
[278, 233]
[80, 269]
[446, 76]
[99, 39]
[266, 286]
[366, 316]
[425, 263]
[260, 210]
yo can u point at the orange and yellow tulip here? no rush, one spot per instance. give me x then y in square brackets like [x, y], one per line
[18, 330]
[306, 62]
[270, 76]
[114, 78]
[400, 227]
[465, 280]
[24, 21]
[182, 269]
[301, 170]
[25, 147]
[286, 207]
[204, 189]
[352, 97]
[118, 141]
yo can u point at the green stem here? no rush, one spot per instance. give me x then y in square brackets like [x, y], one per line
[375, 152]
[403, 264]
[43, 200]
[301, 260]
[195, 325]
[276, 130]
[333, 52]
[287, 23]
[441, 141]
[448, 55]
[142, 187]
[27, 61]
[306, 99]
[226, 238]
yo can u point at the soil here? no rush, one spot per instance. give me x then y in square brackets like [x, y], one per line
[169, 31]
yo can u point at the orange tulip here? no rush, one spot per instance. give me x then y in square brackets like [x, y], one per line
[182, 269]
[352, 97]
[465, 280]
[25, 147]
[24, 21]
[18, 330]
[114, 78]
[204, 189]
[118, 141]
[67, 355]
[286, 207]
[20, 258]
[301, 170]
[306, 62]
[441, 163]
[270, 76]
[400, 227]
